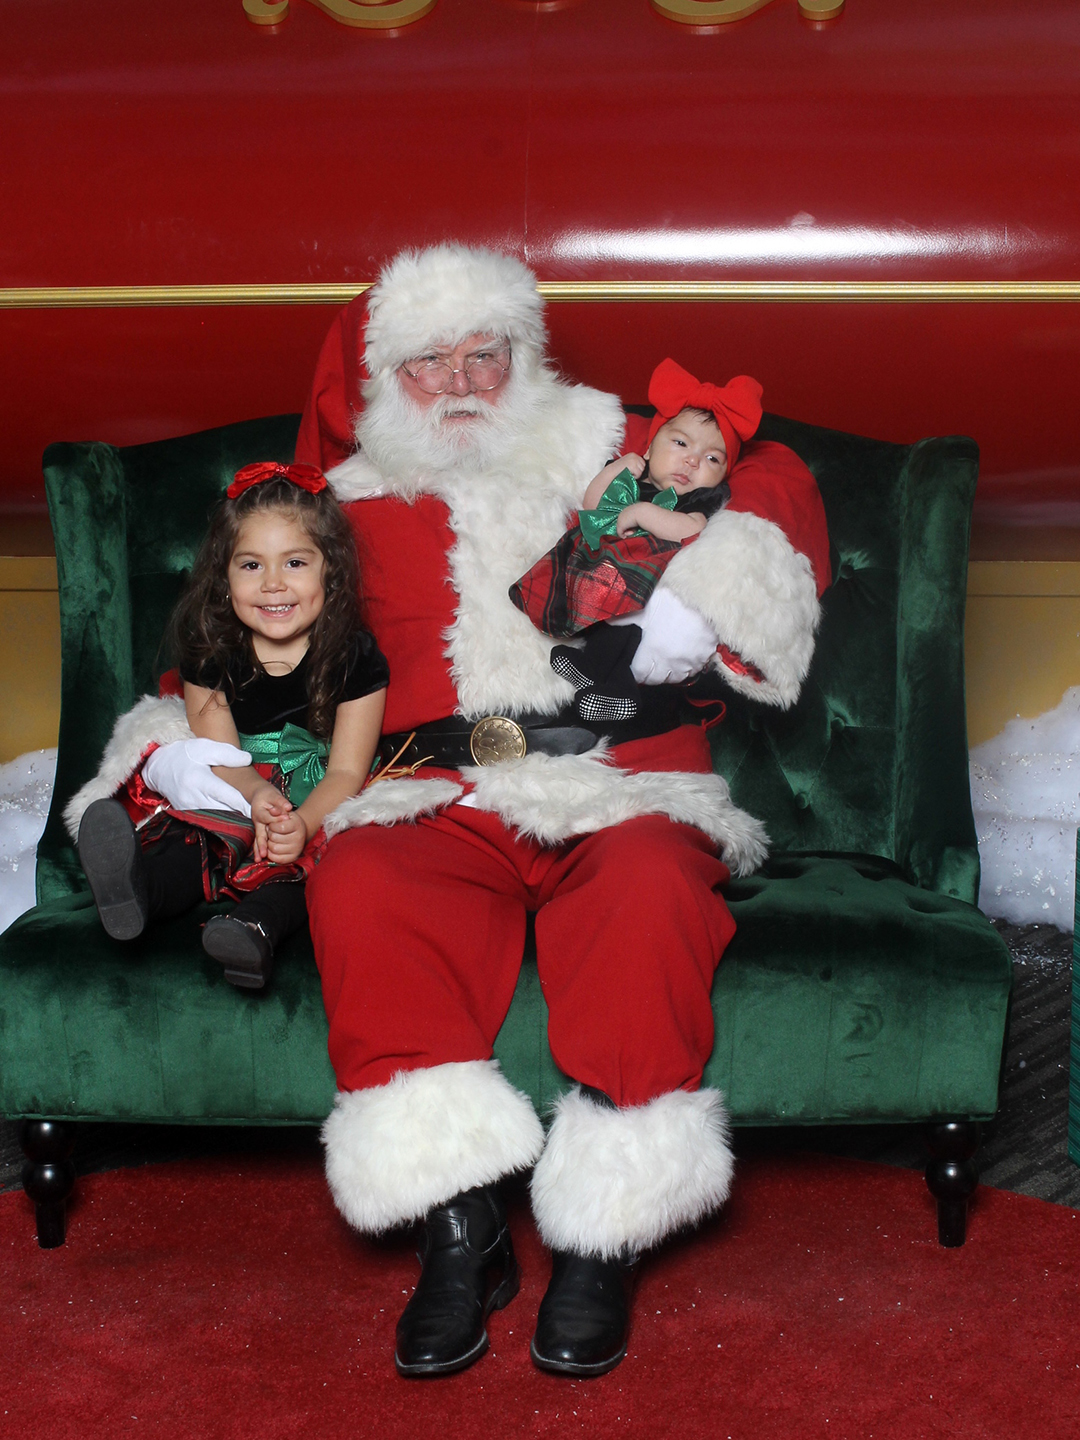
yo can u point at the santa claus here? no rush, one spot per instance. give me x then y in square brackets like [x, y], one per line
[461, 456]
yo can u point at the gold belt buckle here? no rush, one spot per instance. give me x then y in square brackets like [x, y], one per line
[494, 739]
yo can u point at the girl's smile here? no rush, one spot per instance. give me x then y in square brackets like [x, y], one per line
[276, 585]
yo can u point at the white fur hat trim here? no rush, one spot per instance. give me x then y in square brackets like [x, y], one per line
[446, 293]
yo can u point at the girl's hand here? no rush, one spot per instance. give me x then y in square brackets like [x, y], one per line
[268, 806]
[664, 524]
[286, 838]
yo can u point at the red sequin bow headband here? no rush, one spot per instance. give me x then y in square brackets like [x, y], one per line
[736, 405]
[308, 477]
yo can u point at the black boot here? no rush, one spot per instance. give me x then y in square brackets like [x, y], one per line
[132, 886]
[111, 857]
[468, 1270]
[244, 941]
[584, 1319]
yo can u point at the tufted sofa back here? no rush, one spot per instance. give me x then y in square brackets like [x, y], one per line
[871, 760]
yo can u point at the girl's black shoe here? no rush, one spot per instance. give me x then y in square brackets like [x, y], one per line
[111, 858]
[242, 947]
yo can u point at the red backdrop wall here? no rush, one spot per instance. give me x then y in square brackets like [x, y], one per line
[909, 141]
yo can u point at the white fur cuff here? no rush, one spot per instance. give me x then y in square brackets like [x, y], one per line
[394, 1151]
[611, 1181]
[758, 594]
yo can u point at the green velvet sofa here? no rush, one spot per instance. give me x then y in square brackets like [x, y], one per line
[863, 984]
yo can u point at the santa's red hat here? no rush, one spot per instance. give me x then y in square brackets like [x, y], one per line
[437, 296]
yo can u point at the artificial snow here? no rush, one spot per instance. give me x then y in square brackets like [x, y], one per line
[1025, 792]
[25, 791]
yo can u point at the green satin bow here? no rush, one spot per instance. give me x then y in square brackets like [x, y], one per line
[622, 491]
[300, 756]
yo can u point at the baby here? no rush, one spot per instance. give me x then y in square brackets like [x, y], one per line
[636, 516]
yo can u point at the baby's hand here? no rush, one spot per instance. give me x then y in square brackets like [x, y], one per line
[268, 805]
[634, 463]
[286, 838]
[634, 517]
[599, 483]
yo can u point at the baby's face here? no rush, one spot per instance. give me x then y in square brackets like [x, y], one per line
[688, 453]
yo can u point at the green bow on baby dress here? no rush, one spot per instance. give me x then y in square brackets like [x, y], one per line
[623, 490]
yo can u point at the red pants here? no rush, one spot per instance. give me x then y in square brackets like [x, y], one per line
[419, 930]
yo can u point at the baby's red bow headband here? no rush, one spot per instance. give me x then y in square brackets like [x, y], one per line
[736, 405]
[308, 477]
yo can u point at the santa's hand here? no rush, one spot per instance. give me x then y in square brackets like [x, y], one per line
[181, 772]
[676, 642]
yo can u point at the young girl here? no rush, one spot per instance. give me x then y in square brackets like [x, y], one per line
[274, 659]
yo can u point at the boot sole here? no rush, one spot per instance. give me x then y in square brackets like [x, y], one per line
[109, 855]
[500, 1297]
[233, 945]
[567, 1367]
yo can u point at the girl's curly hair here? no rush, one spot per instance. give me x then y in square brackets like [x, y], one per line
[204, 631]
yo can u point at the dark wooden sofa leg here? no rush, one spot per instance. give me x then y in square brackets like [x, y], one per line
[48, 1176]
[951, 1175]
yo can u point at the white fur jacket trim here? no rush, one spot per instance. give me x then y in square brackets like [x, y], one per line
[759, 595]
[152, 720]
[616, 1182]
[552, 798]
[388, 802]
[395, 1150]
[503, 520]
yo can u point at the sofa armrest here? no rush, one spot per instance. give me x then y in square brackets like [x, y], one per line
[86, 492]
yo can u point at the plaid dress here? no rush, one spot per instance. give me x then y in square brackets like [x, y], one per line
[578, 584]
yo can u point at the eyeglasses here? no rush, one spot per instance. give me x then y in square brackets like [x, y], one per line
[483, 370]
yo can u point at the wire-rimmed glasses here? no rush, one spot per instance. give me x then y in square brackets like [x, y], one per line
[483, 369]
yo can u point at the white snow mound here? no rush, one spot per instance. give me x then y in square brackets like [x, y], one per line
[26, 786]
[1025, 792]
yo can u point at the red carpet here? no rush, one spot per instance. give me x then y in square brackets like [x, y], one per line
[224, 1299]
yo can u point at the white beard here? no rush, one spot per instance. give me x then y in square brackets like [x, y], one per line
[414, 446]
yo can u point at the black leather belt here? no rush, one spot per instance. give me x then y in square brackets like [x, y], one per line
[455, 741]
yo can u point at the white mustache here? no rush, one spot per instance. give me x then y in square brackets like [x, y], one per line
[454, 405]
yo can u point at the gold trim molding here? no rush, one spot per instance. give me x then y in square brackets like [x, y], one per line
[65, 297]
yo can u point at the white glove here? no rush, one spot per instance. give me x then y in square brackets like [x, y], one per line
[181, 772]
[675, 641]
